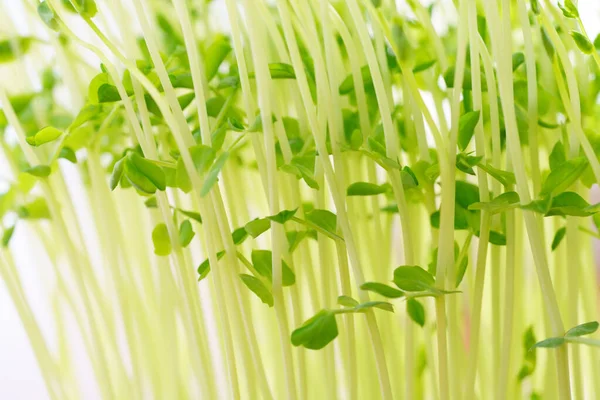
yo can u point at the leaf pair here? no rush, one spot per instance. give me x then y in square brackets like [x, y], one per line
[317, 332]
[11, 49]
[262, 260]
[302, 168]
[320, 330]
[563, 204]
[580, 330]
[258, 226]
[43, 136]
[563, 176]
[141, 173]
[324, 221]
[503, 202]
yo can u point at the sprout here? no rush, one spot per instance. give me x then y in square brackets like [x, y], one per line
[324, 198]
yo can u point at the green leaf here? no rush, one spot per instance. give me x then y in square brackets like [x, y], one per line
[413, 278]
[186, 99]
[530, 360]
[203, 270]
[568, 9]
[540, 206]
[151, 202]
[382, 289]
[232, 81]
[504, 177]
[182, 179]
[461, 269]
[68, 154]
[203, 156]
[215, 55]
[317, 332]
[546, 124]
[186, 233]
[213, 174]
[13, 48]
[41, 171]
[239, 236]
[563, 176]
[151, 171]
[257, 227]
[366, 189]
[117, 173]
[94, 87]
[584, 329]
[597, 42]
[46, 135]
[465, 163]
[400, 41]
[558, 237]
[548, 46]
[263, 263]
[432, 172]
[258, 288]
[324, 219]
[257, 125]
[569, 203]
[47, 15]
[467, 85]
[424, 66]
[306, 174]
[204, 267]
[504, 202]
[466, 128]
[549, 343]
[108, 93]
[582, 42]
[557, 156]
[518, 58]
[409, 179]
[295, 237]
[85, 8]
[218, 137]
[283, 216]
[7, 235]
[235, 125]
[383, 305]
[281, 71]
[497, 238]
[191, 214]
[416, 311]
[161, 240]
[466, 194]
[36, 209]
[87, 113]
[347, 85]
[347, 301]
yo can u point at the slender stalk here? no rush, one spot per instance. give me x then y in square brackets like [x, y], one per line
[264, 90]
[340, 207]
[535, 239]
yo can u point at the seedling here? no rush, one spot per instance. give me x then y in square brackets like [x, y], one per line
[323, 199]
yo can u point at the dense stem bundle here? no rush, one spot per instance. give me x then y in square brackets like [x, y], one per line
[220, 189]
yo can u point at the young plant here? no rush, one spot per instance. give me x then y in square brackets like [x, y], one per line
[303, 199]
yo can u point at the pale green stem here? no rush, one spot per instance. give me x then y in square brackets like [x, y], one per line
[503, 57]
[277, 239]
[337, 197]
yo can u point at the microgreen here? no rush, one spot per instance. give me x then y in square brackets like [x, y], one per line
[420, 186]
